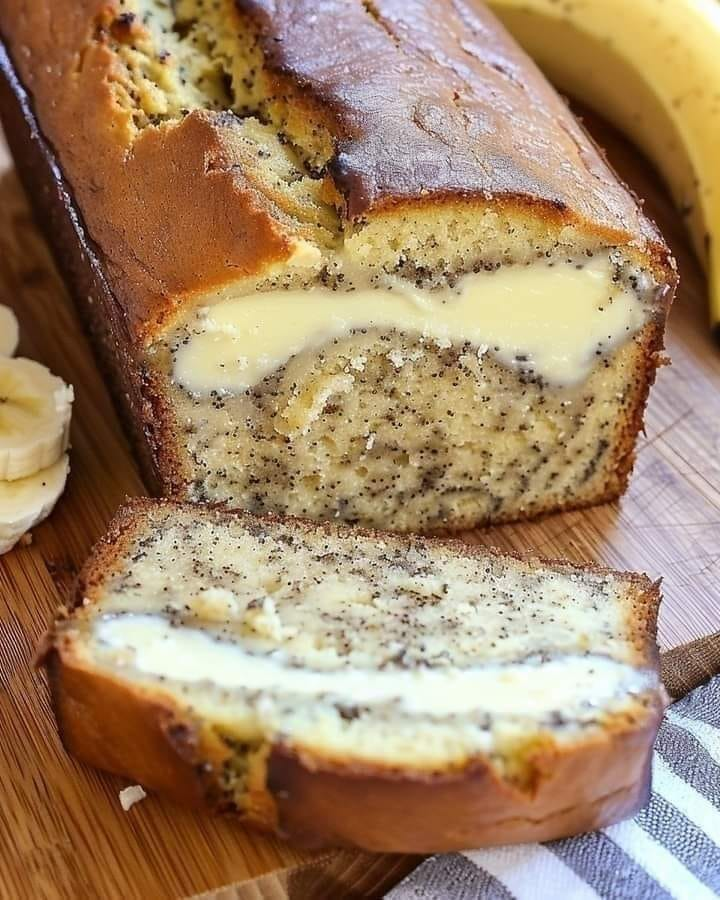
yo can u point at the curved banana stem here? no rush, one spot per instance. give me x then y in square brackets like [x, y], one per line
[652, 67]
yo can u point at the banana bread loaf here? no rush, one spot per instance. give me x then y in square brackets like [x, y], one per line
[391, 693]
[351, 259]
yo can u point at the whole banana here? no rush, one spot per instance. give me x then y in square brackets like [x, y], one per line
[652, 67]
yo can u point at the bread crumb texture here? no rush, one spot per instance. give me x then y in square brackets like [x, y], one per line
[421, 438]
[177, 57]
[412, 656]
[131, 795]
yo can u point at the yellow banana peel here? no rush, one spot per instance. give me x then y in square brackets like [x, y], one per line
[652, 67]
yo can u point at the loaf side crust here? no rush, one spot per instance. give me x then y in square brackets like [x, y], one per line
[583, 789]
[162, 210]
[148, 740]
[135, 390]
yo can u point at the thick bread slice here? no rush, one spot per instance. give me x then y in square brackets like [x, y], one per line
[191, 157]
[352, 688]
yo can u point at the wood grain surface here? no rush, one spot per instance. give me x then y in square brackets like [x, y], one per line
[63, 833]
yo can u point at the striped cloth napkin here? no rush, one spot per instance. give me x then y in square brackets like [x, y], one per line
[670, 850]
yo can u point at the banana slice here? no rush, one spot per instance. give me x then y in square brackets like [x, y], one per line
[35, 409]
[26, 502]
[9, 331]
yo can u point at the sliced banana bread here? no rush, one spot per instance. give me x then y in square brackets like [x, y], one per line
[345, 687]
[350, 260]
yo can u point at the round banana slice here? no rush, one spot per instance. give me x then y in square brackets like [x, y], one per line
[26, 502]
[35, 409]
[9, 331]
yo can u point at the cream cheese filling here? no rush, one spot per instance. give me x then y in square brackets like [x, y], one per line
[550, 320]
[153, 646]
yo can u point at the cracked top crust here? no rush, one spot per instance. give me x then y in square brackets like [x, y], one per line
[430, 98]
[344, 113]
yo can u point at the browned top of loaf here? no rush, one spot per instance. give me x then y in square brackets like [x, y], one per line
[432, 98]
[424, 101]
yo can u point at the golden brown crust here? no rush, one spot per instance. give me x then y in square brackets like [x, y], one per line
[319, 802]
[170, 210]
[170, 206]
[111, 727]
[581, 789]
[149, 740]
[444, 82]
[136, 391]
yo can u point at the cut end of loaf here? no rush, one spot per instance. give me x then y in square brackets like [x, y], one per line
[381, 425]
[278, 649]
[241, 105]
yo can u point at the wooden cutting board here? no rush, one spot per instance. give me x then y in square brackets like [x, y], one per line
[63, 833]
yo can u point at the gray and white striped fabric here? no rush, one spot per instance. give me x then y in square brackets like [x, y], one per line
[670, 850]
